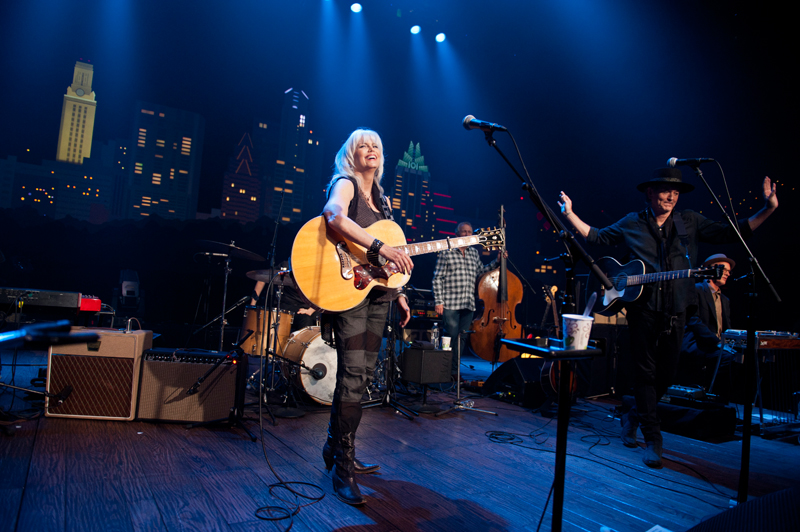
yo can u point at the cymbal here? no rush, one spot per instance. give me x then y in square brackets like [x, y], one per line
[230, 250]
[267, 275]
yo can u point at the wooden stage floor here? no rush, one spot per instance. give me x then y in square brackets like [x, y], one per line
[463, 471]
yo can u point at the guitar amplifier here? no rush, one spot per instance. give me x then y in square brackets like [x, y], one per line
[167, 374]
[103, 375]
[425, 366]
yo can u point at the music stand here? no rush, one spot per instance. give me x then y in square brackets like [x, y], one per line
[557, 353]
[460, 404]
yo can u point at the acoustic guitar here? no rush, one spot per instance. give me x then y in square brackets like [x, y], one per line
[629, 278]
[333, 272]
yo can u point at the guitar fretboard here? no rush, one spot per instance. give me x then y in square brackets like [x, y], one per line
[656, 277]
[440, 245]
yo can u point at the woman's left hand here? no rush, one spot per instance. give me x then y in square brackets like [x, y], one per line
[402, 302]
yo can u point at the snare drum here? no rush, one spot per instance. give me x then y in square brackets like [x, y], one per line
[306, 346]
[258, 344]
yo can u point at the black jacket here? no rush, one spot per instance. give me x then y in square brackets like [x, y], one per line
[637, 233]
[701, 329]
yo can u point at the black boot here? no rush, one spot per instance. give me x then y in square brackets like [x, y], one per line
[344, 478]
[630, 424]
[345, 423]
[329, 451]
[652, 456]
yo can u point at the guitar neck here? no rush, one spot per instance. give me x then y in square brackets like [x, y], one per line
[646, 278]
[440, 245]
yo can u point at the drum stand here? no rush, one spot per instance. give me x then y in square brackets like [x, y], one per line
[462, 404]
[280, 411]
[391, 373]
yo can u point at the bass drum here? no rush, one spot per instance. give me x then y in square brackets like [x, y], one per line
[306, 346]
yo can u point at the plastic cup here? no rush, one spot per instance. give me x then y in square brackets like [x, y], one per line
[577, 329]
[446, 343]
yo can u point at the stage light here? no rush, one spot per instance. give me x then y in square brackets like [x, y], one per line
[415, 29]
[355, 8]
[440, 37]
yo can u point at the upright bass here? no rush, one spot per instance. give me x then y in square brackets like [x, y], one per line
[501, 292]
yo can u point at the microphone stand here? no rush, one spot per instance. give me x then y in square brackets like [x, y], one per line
[460, 404]
[573, 250]
[194, 387]
[275, 233]
[750, 362]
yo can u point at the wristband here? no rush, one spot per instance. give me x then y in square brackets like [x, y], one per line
[373, 253]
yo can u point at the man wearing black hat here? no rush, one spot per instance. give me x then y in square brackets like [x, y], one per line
[702, 343]
[664, 242]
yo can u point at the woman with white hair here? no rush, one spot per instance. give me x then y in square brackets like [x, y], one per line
[356, 201]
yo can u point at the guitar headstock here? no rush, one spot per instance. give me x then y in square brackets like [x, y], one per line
[492, 239]
[549, 293]
[714, 272]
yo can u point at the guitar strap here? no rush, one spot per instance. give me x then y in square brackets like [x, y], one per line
[682, 235]
[387, 211]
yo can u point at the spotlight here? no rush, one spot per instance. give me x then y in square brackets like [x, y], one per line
[415, 29]
[440, 37]
[355, 8]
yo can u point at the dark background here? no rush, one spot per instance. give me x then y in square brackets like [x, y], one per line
[596, 94]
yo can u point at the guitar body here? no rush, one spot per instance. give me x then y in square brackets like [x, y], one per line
[333, 272]
[610, 302]
[629, 278]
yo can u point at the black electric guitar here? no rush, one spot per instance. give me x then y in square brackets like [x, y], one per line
[629, 278]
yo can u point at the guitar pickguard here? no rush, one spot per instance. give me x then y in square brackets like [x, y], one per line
[366, 273]
[345, 260]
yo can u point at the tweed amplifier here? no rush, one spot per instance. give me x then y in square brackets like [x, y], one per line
[168, 374]
[103, 375]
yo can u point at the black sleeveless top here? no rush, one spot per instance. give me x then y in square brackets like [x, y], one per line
[359, 210]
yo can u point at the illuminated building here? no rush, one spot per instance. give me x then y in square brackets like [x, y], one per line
[164, 170]
[242, 184]
[294, 185]
[422, 213]
[77, 117]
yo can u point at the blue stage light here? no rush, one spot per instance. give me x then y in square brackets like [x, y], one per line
[355, 8]
[440, 37]
[415, 29]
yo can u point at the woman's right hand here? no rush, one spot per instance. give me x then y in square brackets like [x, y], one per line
[402, 260]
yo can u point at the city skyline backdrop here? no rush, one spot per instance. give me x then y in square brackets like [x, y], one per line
[597, 94]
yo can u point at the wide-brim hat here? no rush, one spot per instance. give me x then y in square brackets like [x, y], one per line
[671, 177]
[719, 257]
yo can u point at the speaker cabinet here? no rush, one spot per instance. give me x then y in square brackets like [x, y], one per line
[167, 374]
[103, 375]
[518, 380]
[425, 366]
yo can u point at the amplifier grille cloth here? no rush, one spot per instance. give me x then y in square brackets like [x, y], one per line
[163, 392]
[102, 386]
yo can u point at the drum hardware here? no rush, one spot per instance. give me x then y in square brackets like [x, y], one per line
[274, 347]
[392, 370]
[228, 251]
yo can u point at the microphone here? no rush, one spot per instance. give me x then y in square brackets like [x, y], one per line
[63, 394]
[470, 122]
[672, 162]
[318, 371]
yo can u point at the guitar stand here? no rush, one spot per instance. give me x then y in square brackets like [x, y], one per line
[462, 404]
[388, 398]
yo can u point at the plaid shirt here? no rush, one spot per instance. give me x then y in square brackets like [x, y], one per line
[455, 276]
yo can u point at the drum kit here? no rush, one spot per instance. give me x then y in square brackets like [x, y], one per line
[294, 360]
